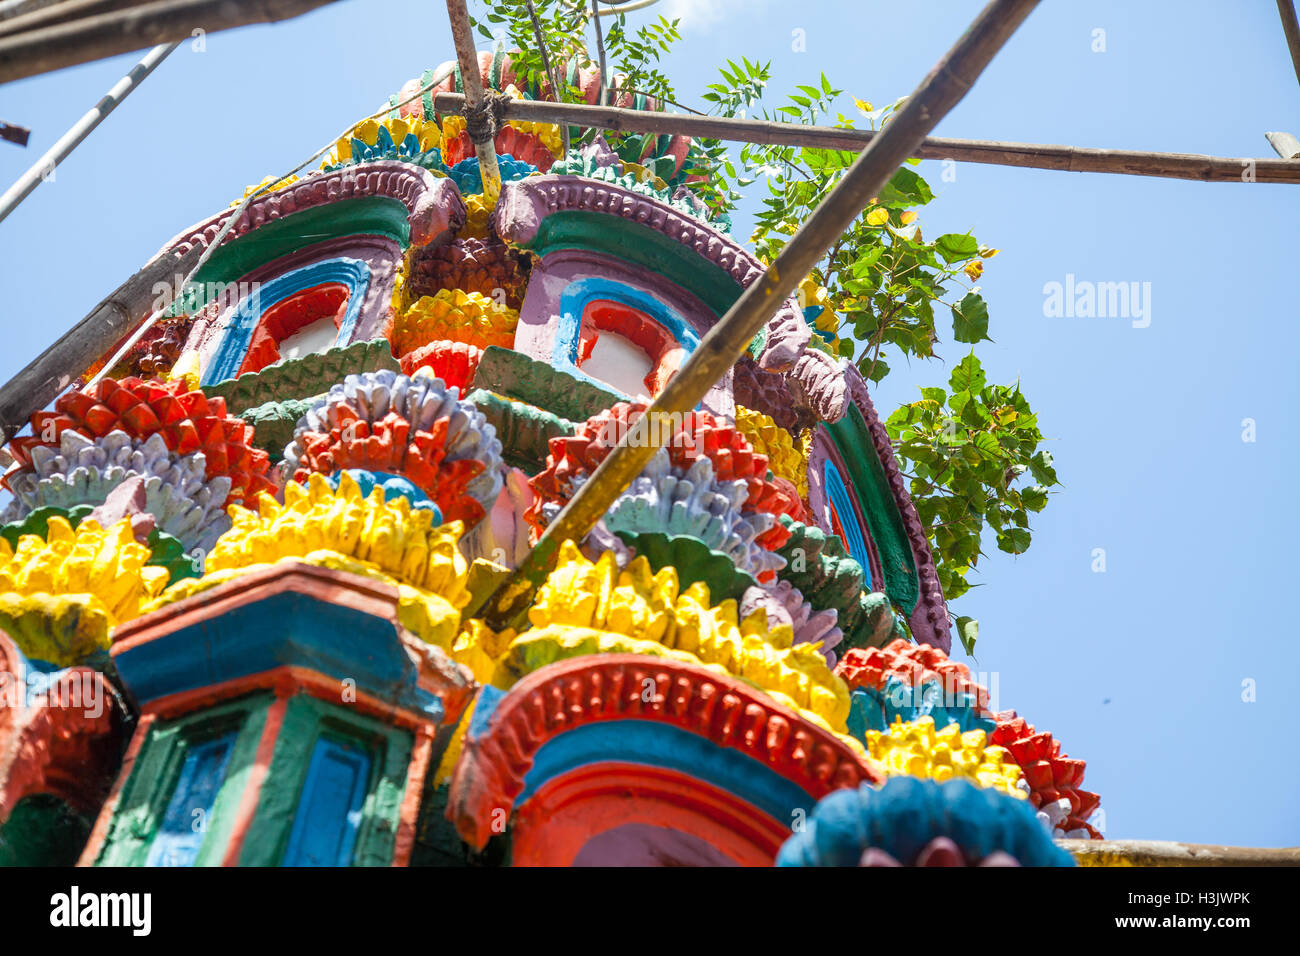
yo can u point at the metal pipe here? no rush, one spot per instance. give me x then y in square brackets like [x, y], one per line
[69, 141]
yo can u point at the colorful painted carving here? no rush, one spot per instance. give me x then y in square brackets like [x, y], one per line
[285, 513]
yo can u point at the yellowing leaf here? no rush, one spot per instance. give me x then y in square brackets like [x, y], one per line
[862, 105]
[878, 216]
[908, 216]
[989, 253]
[974, 269]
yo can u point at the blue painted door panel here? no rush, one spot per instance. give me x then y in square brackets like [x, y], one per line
[185, 822]
[329, 810]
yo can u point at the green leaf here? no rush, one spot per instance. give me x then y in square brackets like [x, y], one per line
[1014, 540]
[1034, 497]
[968, 376]
[905, 188]
[970, 319]
[1041, 467]
[955, 247]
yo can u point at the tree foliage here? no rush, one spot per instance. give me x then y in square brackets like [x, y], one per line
[970, 450]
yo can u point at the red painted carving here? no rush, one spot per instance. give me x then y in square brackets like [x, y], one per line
[913, 664]
[510, 141]
[66, 741]
[594, 688]
[390, 445]
[566, 812]
[733, 458]
[188, 421]
[453, 362]
[1051, 774]
[665, 353]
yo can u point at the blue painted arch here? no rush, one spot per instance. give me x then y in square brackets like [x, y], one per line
[840, 500]
[574, 301]
[238, 333]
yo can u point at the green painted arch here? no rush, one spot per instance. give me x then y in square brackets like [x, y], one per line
[632, 242]
[365, 216]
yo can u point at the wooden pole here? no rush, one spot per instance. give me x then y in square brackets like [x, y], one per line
[17, 8]
[121, 31]
[719, 350]
[51, 372]
[63, 12]
[43, 167]
[1290, 26]
[1162, 853]
[1025, 155]
[467, 56]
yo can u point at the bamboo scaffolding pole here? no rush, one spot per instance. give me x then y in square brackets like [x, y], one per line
[1291, 27]
[17, 8]
[467, 56]
[63, 12]
[43, 167]
[121, 312]
[1025, 155]
[121, 31]
[1163, 853]
[719, 350]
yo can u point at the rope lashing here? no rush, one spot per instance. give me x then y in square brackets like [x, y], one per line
[485, 120]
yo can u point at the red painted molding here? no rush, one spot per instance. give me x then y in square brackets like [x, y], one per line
[526, 202]
[565, 813]
[421, 758]
[584, 690]
[257, 775]
[53, 743]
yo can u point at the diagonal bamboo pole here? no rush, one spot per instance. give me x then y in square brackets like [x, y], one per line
[1291, 27]
[719, 350]
[43, 49]
[1024, 155]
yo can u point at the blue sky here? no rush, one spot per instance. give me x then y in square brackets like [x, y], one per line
[1140, 669]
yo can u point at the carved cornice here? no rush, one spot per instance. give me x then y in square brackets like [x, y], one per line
[499, 748]
[433, 203]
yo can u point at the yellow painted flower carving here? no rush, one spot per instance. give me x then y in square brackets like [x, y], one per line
[60, 595]
[587, 607]
[385, 540]
[917, 749]
[770, 439]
